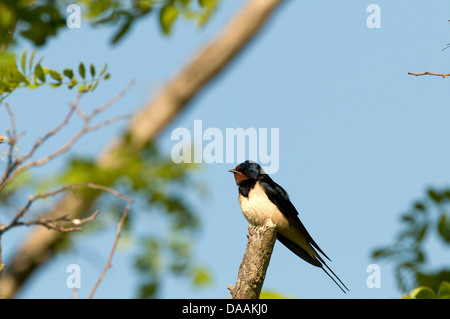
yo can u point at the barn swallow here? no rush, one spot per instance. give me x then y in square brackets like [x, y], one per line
[261, 198]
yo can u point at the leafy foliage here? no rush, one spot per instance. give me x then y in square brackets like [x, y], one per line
[38, 20]
[269, 294]
[156, 181]
[424, 292]
[34, 20]
[426, 217]
[33, 74]
[153, 179]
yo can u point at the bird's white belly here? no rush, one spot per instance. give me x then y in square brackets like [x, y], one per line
[257, 208]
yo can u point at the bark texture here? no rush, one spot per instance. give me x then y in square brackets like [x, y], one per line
[252, 271]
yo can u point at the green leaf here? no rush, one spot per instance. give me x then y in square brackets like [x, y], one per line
[124, 29]
[39, 73]
[268, 294]
[408, 218]
[167, 17]
[383, 252]
[423, 292]
[93, 85]
[92, 69]
[422, 232]
[419, 206]
[30, 64]
[82, 87]
[444, 290]
[103, 70]
[435, 196]
[207, 3]
[23, 60]
[19, 77]
[72, 83]
[200, 277]
[55, 85]
[55, 75]
[68, 73]
[40, 60]
[82, 70]
[209, 7]
[107, 76]
[444, 227]
[4, 88]
[185, 2]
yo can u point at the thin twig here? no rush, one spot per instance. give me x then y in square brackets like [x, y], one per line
[12, 140]
[11, 118]
[17, 166]
[108, 263]
[60, 223]
[444, 75]
[52, 132]
[16, 220]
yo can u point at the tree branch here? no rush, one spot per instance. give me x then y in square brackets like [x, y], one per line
[56, 223]
[444, 75]
[252, 271]
[18, 165]
[146, 125]
[116, 241]
[60, 224]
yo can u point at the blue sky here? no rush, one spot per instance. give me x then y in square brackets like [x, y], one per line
[360, 139]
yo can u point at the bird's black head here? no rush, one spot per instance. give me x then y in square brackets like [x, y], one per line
[247, 171]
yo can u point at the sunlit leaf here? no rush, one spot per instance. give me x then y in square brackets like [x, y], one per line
[167, 17]
[72, 83]
[444, 290]
[23, 61]
[201, 276]
[55, 75]
[39, 72]
[82, 87]
[423, 293]
[269, 294]
[30, 64]
[103, 70]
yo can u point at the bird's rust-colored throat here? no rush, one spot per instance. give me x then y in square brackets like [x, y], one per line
[239, 177]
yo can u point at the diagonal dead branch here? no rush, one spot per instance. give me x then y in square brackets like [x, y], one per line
[174, 97]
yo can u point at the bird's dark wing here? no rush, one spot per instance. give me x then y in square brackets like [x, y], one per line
[299, 251]
[280, 198]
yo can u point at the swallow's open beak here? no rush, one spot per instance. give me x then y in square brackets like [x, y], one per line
[233, 171]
